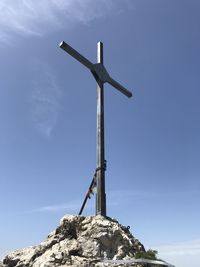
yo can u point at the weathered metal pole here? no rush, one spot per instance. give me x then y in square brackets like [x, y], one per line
[101, 195]
[101, 76]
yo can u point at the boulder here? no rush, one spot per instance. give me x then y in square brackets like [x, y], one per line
[79, 241]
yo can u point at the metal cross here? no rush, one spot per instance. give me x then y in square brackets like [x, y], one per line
[101, 76]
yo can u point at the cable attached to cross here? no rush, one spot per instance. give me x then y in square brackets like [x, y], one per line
[93, 186]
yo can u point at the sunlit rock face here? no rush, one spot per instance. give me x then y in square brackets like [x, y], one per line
[79, 241]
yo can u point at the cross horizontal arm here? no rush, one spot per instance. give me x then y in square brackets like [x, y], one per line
[119, 87]
[97, 69]
[76, 55]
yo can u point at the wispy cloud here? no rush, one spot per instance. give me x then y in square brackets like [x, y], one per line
[147, 193]
[74, 206]
[45, 98]
[182, 248]
[69, 207]
[181, 254]
[131, 193]
[117, 197]
[30, 17]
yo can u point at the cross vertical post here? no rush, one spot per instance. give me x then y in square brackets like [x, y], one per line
[100, 175]
[101, 76]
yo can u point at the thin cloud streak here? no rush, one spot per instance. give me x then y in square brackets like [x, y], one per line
[68, 207]
[180, 254]
[148, 193]
[36, 18]
[130, 194]
[45, 99]
[71, 206]
[114, 199]
[182, 248]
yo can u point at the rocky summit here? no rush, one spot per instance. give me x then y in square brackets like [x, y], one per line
[79, 241]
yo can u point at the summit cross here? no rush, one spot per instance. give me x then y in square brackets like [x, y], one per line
[101, 76]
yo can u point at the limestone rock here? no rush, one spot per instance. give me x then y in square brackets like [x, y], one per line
[79, 241]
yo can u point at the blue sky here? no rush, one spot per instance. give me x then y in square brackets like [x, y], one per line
[48, 119]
